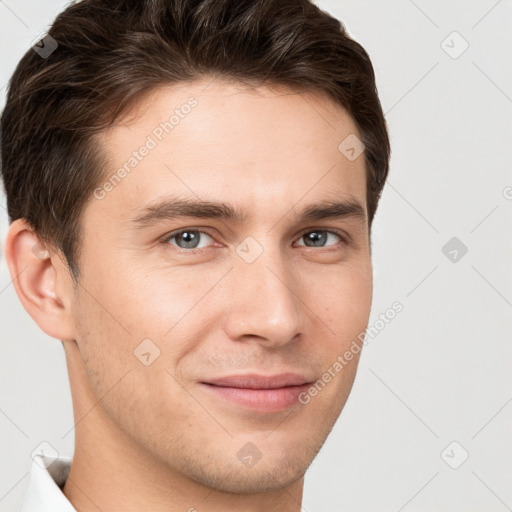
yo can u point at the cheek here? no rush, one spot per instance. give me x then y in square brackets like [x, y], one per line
[156, 302]
[136, 314]
[103, 343]
[346, 311]
[346, 302]
[109, 332]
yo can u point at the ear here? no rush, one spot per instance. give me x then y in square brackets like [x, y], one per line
[42, 281]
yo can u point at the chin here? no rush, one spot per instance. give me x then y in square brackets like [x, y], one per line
[235, 478]
[249, 481]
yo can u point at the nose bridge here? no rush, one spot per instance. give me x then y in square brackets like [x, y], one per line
[264, 300]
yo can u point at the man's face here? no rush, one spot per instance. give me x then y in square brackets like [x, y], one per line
[218, 296]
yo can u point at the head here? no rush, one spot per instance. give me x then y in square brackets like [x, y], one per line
[191, 187]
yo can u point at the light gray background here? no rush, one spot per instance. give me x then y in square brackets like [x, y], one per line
[441, 370]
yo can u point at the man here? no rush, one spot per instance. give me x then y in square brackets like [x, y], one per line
[191, 187]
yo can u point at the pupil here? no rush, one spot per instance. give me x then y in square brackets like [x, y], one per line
[317, 237]
[188, 238]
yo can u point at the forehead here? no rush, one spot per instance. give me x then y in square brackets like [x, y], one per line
[263, 149]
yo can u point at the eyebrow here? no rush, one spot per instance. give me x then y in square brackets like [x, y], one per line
[176, 208]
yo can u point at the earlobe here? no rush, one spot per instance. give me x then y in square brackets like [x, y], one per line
[41, 281]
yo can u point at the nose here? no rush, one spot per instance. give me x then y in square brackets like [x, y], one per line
[264, 302]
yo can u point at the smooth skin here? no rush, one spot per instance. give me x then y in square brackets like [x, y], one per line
[149, 437]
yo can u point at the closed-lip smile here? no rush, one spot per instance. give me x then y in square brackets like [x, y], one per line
[261, 393]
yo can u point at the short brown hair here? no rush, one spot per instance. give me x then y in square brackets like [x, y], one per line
[111, 52]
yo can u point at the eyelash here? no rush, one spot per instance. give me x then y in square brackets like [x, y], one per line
[165, 240]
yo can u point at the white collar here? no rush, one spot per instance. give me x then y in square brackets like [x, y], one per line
[47, 477]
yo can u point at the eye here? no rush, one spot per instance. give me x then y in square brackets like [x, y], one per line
[319, 237]
[187, 238]
[190, 239]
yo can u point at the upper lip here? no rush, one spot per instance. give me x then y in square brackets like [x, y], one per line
[255, 381]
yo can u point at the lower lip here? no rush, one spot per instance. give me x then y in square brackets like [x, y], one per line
[261, 400]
